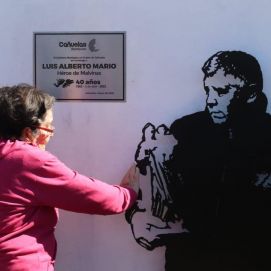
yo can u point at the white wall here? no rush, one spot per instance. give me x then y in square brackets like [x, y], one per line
[167, 43]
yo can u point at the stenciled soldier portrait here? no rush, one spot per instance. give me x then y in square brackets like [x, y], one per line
[205, 179]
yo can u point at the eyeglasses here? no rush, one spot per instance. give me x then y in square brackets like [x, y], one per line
[52, 130]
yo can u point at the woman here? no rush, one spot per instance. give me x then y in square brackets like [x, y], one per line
[34, 183]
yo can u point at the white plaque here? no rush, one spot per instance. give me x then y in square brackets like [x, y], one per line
[80, 65]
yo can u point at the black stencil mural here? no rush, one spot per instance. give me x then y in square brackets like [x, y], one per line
[205, 180]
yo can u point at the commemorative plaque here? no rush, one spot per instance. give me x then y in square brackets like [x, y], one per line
[80, 66]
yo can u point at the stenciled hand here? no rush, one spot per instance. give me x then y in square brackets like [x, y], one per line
[147, 230]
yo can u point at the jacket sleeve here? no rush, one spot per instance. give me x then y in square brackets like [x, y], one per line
[56, 185]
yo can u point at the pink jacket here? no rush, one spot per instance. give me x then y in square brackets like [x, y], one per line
[33, 183]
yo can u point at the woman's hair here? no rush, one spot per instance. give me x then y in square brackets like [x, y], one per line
[22, 106]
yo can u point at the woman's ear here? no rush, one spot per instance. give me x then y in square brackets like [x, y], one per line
[27, 135]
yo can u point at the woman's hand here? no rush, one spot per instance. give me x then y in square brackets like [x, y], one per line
[131, 178]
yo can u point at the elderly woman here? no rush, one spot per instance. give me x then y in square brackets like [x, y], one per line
[34, 183]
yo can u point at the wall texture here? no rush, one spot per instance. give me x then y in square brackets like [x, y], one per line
[167, 43]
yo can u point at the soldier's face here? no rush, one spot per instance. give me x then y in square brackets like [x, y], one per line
[221, 90]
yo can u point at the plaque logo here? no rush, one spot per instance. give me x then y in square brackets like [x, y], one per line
[71, 44]
[92, 46]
